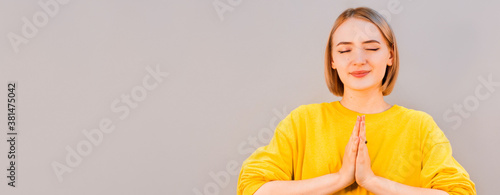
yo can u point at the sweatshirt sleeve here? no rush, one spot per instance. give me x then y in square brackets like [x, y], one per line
[439, 169]
[271, 162]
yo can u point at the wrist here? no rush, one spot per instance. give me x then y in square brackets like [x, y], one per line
[370, 182]
[343, 180]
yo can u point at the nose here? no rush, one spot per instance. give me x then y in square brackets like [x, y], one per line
[358, 57]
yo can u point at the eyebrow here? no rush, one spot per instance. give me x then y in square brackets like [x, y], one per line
[350, 43]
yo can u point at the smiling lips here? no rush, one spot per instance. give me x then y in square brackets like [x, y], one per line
[360, 74]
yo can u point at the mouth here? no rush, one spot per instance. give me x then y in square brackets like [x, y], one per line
[360, 74]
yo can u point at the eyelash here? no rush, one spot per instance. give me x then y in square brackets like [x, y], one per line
[350, 50]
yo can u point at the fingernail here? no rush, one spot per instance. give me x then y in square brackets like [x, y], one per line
[357, 118]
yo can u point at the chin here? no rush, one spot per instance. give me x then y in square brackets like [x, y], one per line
[362, 86]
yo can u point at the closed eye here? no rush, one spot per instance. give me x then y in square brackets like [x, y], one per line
[344, 51]
[373, 49]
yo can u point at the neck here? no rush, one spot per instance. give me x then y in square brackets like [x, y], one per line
[368, 102]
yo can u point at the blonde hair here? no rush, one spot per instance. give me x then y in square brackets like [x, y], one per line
[332, 78]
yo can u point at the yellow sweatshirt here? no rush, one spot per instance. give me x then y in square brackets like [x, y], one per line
[405, 146]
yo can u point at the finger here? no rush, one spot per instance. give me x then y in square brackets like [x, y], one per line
[354, 147]
[354, 141]
[362, 128]
[355, 131]
[363, 155]
[360, 157]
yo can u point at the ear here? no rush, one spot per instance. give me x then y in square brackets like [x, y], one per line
[391, 59]
[333, 65]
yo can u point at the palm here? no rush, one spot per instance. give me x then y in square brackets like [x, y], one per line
[356, 164]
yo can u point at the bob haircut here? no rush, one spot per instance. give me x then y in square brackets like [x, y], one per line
[332, 78]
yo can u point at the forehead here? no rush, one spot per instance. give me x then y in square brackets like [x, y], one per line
[357, 31]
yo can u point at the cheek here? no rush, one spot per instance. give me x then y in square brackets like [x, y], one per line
[341, 62]
[379, 65]
[379, 72]
[381, 57]
[378, 61]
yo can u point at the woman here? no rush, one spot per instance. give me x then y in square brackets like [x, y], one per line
[360, 144]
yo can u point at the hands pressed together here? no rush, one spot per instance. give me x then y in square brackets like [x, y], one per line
[356, 165]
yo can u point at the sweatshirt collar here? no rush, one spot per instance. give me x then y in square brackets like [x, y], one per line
[350, 113]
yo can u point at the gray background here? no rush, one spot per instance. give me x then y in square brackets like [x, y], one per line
[229, 78]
